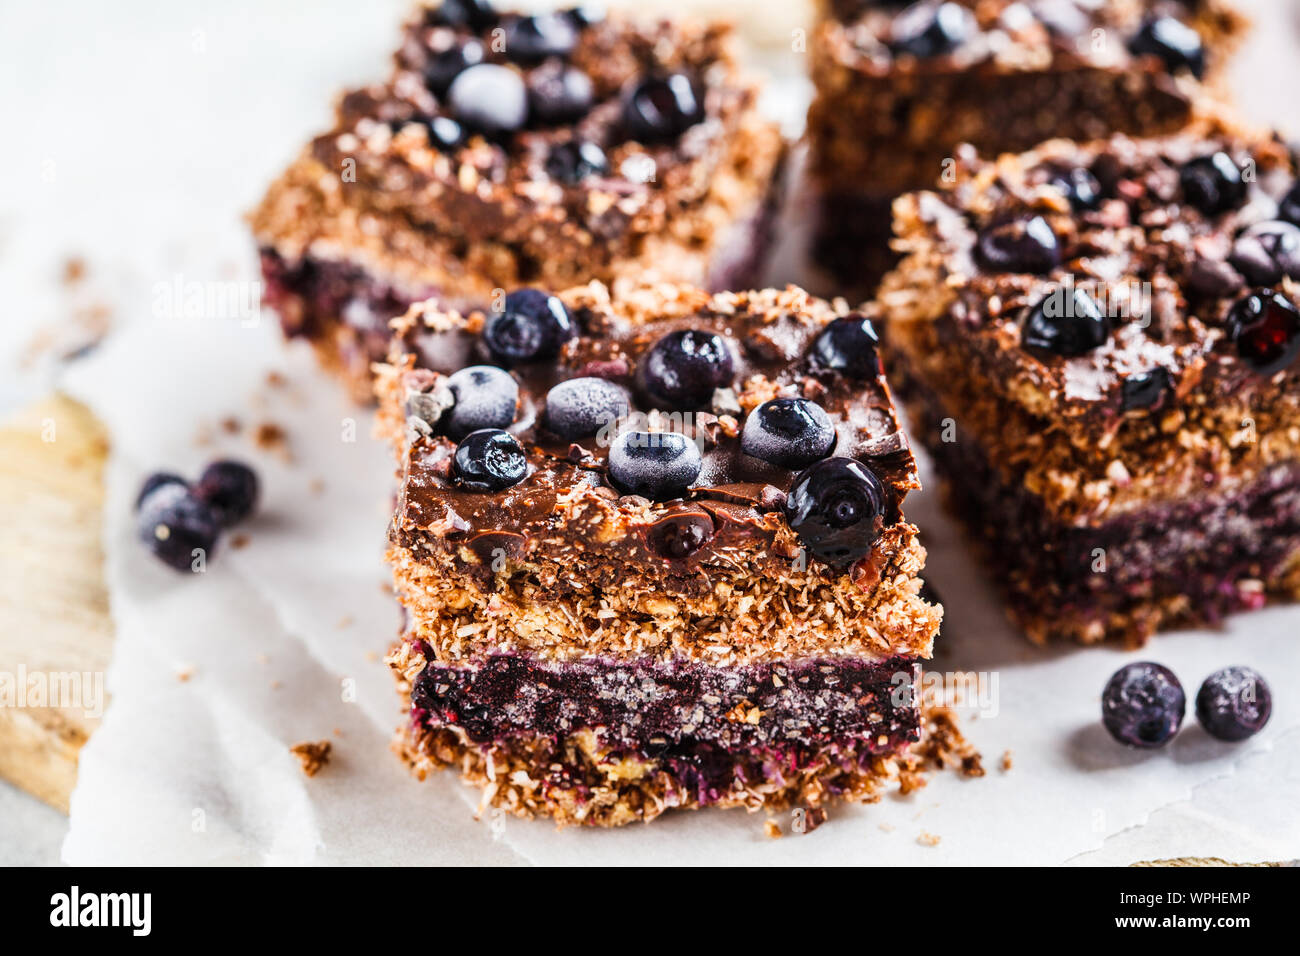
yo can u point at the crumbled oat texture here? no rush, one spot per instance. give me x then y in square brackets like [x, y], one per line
[573, 782]
[928, 839]
[312, 755]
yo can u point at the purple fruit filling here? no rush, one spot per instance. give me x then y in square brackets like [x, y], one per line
[702, 721]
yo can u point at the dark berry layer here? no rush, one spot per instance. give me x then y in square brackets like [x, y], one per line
[697, 720]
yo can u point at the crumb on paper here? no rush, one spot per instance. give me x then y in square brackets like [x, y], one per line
[372, 656]
[312, 756]
[184, 672]
[276, 685]
[927, 839]
[772, 829]
[316, 486]
[231, 425]
[263, 657]
[1006, 763]
[886, 827]
[345, 621]
[270, 437]
[338, 731]
[74, 270]
[239, 540]
[972, 765]
[276, 379]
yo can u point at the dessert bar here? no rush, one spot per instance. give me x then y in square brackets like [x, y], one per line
[1097, 343]
[506, 149]
[899, 87]
[652, 552]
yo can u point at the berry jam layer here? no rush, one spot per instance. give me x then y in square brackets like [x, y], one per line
[695, 735]
[1183, 562]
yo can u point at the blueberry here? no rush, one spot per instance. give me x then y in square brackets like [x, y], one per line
[559, 96]
[155, 481]
[849, 345]
[474, 14]
[654, 465]
[1213, 183]
[1022, 245]
[531, 325]
[1267, 251]
[788, 432]
[533, 38]
[586, 15]
[1176, 44]
[489, 460]
[1143, 705]
[1266, 329]
[837, 508]
[581, 407]
[683, 368]
[1142, 390]
[486, 397]
[489, 97]
[1289, 208]
[1080, 187]
[661, 108]
[174, 524]
[929, 29]
[445, 134]
[230, 489]
[1065, 323]
[445, 65]
[574, 160]
[679, 535]
[1234, 703]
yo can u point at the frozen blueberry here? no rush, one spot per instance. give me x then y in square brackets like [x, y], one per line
[849, 345]
[1266, 329]
[683, 368]
[489, 460]
[559, 96]
[1142, 390]
[654, 465]
[1213, 183]
[531, 325]
[661, 108]
[1176, 44]
[1267, 251]
[929, 29]
[1080, 186]
[1289, 208]
[837, 507]
[1234, 703]
[474, 14]
[445, 65]
[157, 480]
[1022, 245]
[1065, 322]
[486, 397]
[489, 97]
[581, 407]
[1143, 705]
[230, 489]
[788, 432]
[574, 160]
[585, 15]
[533, 38]
[445, 134]
[174, 524]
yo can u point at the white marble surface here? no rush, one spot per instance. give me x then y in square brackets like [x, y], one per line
[143, 133]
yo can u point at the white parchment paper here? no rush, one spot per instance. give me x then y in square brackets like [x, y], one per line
[280, 639]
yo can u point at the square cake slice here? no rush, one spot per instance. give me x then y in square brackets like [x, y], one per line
[507, 149]
[660, 561]
[899, 86]
[1097, 343]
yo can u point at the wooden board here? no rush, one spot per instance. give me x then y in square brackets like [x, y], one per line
[54, 619]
